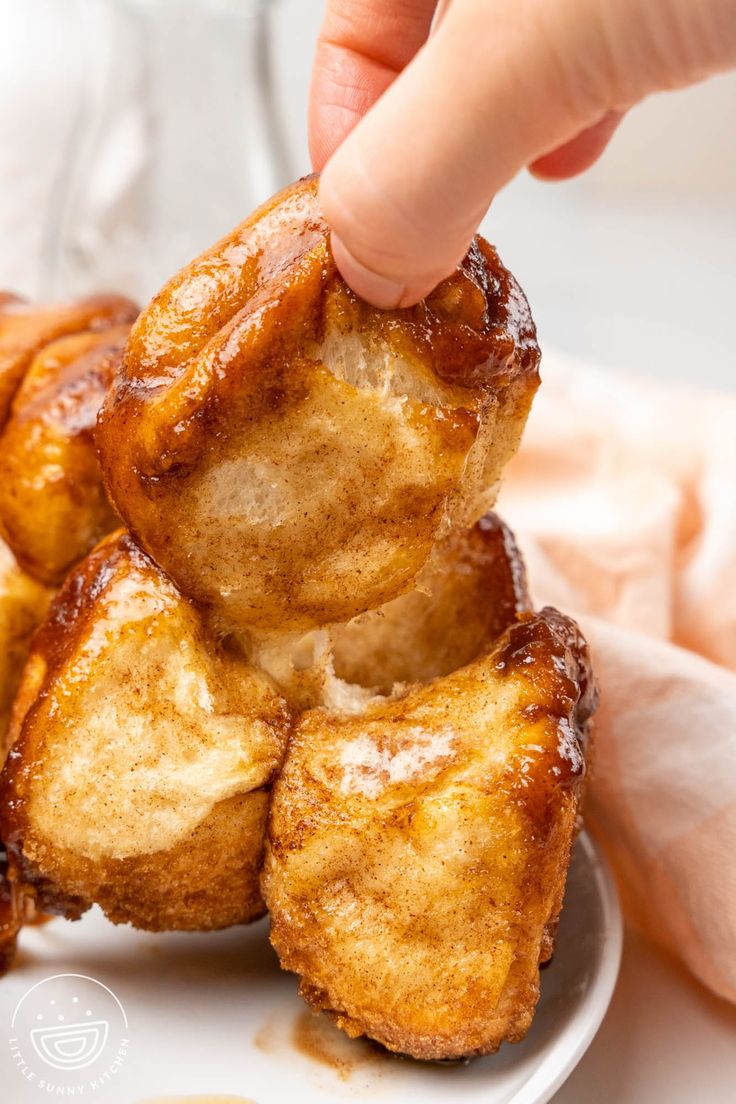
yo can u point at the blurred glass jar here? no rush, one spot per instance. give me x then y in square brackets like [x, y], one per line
[176, 139]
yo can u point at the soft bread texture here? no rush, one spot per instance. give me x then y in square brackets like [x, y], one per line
[25, 329]
[306, 450]
[23, 603]
[53, 506]
[476, 587]
[418, 851]
[142, 755]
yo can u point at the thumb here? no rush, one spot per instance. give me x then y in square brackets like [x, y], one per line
[499, 86]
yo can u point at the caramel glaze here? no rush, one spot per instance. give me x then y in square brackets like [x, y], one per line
[469, 338]
[511, 727]
[317, 1038]
[569, 699]
[66, 619]
[474, 332]
[71, 392]
[535, 638]
[25, 329]
[53, 508]
[22, 886]
[226, 363]
[71, 617]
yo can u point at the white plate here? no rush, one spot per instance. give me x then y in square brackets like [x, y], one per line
[214, 1014]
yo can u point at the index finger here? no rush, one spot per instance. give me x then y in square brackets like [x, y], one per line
[363, 45]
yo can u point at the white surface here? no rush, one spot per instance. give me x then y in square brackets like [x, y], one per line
[213, 1013]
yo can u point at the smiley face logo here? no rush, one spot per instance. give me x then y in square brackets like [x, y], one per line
[71, 1021]
[70, 1046]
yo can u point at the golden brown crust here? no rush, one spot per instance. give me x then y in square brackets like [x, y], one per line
[142, 755]
[206, 881]
[26, 328]
[53, 506]
[23, 603]
[418, 852]
[306, 449]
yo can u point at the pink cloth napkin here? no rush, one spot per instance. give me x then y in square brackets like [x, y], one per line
[623, 498]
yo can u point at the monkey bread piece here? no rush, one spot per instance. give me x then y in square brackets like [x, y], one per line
[476, 588]
[142, 756]
[23, 603]
[418, 851]
[53, 506]
[305, 451]
[25, 329]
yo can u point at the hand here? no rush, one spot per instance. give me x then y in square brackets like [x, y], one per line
[416, 132]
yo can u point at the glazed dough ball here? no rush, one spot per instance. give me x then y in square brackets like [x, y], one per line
[418, 849]
[142, 756]
[26, 328]
[53, 506]
[290, 455]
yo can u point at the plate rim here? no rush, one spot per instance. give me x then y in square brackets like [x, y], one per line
[556, 1066]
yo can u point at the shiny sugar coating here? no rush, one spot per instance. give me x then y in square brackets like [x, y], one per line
[290, 455]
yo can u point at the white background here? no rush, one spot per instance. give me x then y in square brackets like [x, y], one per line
[632, 267]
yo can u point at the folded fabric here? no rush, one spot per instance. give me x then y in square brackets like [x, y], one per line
[623, 497]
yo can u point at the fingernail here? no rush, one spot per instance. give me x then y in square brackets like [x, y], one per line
[378, 290]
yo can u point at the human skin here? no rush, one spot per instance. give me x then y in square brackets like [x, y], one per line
[421, 112]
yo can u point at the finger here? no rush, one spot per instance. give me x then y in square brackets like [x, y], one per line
[579, 154]
[498, 87]
[362, 46]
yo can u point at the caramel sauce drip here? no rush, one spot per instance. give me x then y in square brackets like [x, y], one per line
[317, 1038]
